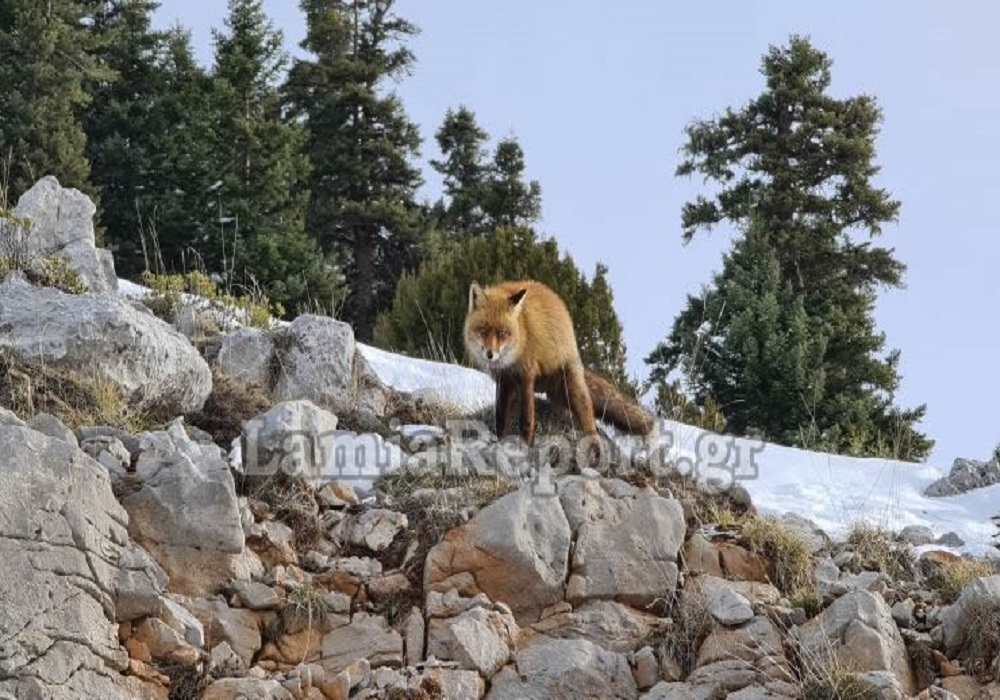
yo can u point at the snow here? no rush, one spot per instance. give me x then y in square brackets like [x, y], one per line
[833, 491]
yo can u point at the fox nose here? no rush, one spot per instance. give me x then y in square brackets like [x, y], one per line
[489, 354]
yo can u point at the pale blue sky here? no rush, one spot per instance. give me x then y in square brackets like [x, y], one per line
[598, 93]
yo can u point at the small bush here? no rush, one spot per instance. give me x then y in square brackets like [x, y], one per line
[786, 551]
[227, 407]
[982, 639]
[30, 387]
[250, 309]
[293, 502]
[837, 684]
[950, 578]
[305, 609]
[876, 550]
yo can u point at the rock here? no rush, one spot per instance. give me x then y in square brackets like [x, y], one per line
[917, 535]
[246, 689]
[562, 669]
[727, 606]
[967, 619]
[295, 438]
[454, 684]
[375, 528]
[413, 637]
[950, 539]
[858, 632]
[366, 637]
[246, 355]
[742, 657]
[360, 458]
[223, 662]
[646, 668]
[316, 362]
[110, 453]
[62, 534]
[62, 224]
[479, 640]
[966, 475]
[606, 623]
[186, 512]
[515, 550]
[670, 691]
[701, 556]
[627, 541]
[902, 613]
[815, 538]
[741, 565]
[141, 582]
[48, 424]
[882, 685]
[163, 642]
[238, 627]
[155, 367]
[257, 596]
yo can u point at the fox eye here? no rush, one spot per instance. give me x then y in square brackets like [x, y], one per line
[502, 335]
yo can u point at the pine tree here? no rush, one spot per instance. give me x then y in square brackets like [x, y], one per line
[510, 201]
[263, 170]
[124, 114]
[47, 55]
[428, 313]
[362, 145]
[465, 172]
[792, 352]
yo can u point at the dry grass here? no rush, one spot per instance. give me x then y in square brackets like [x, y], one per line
[305, 608]
[30, 387]
[692, 623]
[227, 407]
[950, 578]
[786, 551]
[835, 683]
[981, 645]
[875, 549]
[292, 501]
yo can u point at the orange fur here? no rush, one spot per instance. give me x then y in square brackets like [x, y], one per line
[522, 334]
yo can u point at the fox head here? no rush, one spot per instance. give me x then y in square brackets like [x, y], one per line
[492, 327]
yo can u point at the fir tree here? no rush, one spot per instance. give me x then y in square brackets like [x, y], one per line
[428, 313]
[792, 352]
[510, 201]
[263, 170]
[47, 54]
[362, 145]
[465, 171]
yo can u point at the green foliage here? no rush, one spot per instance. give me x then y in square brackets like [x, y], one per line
[785, 340]
[483, 194]
[255, 310]
[361, 144]
[47, 57]
[428, 313]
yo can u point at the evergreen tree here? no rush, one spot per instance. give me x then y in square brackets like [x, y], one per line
[121, 121]
[510, 201]
[263, 170]
[361, 145]
[465, 171]
[789, 322]
[47, 55]
[428, 313]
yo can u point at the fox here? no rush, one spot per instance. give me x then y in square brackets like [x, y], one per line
[521, 333]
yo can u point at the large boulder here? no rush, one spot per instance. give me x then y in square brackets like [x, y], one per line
[966, 475]
[62, 224]
[976, 613]
[515, 550]
[316, 362]
[562, 669]
[627, 541]
[62, 534]
[858, 633]
[186, 513]
[294, 437]
[156, 368]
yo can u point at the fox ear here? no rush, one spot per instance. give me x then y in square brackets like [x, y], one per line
[476, 296]
[517, 297]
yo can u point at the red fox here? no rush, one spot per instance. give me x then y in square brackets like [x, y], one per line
[521, 333]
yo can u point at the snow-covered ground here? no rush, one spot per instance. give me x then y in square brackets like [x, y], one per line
[834, 492]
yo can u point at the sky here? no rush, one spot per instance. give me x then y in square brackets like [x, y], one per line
[599, 93]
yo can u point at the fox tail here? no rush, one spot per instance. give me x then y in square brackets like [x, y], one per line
[613, 407]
